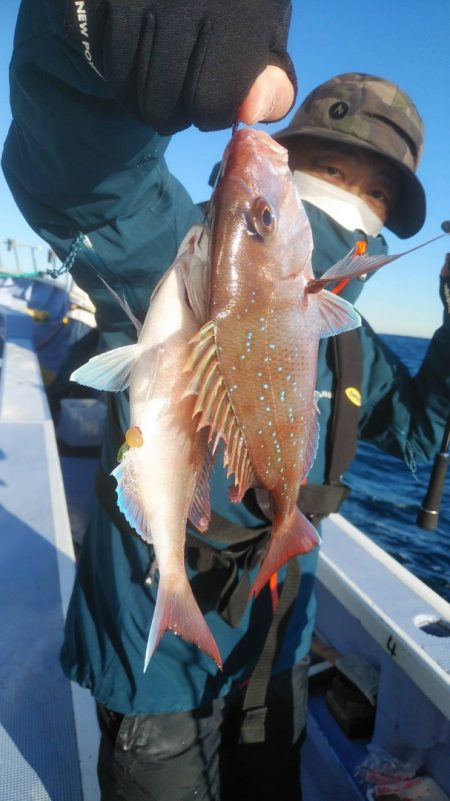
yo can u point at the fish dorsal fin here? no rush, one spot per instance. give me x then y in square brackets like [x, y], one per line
[200, 511]
[109, 371]
[336, 315]
[213, 405]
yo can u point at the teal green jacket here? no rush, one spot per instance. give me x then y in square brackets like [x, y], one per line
[76, 162]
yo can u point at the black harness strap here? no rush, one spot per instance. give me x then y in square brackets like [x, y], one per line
[217, 584]
[317, 501]
[343, 437]
[254, 707]
[345, 358]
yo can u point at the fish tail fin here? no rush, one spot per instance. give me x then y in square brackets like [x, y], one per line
[296, 537]
[177, 610]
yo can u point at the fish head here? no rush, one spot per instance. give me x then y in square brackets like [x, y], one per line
[259, 227]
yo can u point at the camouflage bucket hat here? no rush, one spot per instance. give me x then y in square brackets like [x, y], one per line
[375, 114]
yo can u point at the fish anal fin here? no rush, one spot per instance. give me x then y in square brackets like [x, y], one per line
[128, 498]
[336, 315]
[109, 371]
[177, 611]
[312, 444]
[200, 510]
[297, 536]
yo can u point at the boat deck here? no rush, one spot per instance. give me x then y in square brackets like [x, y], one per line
[48, 729]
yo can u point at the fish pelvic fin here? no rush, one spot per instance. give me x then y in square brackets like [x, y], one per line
[215, 410]
[296, 536]
[336, 315]
[177, 611]
[109, 371]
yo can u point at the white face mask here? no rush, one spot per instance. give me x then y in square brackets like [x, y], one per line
[347, 209]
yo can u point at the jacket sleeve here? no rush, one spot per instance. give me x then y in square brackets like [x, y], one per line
[402, 414]
[183, 62]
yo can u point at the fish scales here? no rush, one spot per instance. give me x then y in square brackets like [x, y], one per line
[269, 375]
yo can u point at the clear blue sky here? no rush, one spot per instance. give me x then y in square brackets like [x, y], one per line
[405, 41]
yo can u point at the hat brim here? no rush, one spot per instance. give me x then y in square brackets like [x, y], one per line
[408, 215]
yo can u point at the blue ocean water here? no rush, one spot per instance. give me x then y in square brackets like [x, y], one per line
[386, 496]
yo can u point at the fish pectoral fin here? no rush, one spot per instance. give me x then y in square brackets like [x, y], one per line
[213, 405]
[109, 371]
[336, 315]
[351, 266]
[177, 611]
[294, 537]
[355, 264]
[128, 500]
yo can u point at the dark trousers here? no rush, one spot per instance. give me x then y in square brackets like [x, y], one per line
[199, 756]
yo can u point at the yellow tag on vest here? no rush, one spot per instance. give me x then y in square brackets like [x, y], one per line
[353, 395]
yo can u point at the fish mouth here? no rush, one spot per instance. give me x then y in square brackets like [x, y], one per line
[249, 145]
[261, 138]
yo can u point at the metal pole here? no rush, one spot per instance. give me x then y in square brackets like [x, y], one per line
[428, 516]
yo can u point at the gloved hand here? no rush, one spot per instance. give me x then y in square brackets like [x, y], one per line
[444, 288]
[182, 62]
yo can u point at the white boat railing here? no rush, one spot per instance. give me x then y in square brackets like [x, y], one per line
[371, 606]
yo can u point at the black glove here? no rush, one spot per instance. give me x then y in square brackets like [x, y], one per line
[444, 286]
[173, 63]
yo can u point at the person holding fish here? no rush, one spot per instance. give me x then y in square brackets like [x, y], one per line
[222, 365]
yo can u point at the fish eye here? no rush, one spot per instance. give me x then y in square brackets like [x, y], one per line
[262, 219]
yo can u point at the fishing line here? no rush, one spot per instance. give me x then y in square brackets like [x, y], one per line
[218, 178]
